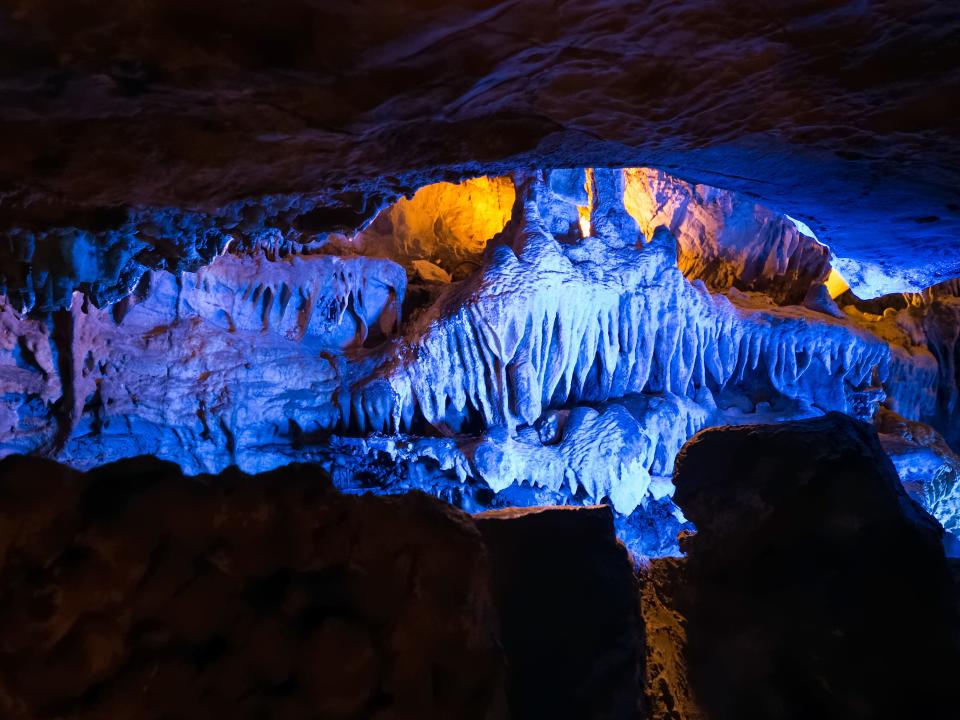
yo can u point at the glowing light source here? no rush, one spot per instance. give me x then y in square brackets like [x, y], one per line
[445, 223]
[835, 283]
[584, 213]
[638, 199]
[584, 210]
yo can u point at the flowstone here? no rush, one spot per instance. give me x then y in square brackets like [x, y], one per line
[568, 367]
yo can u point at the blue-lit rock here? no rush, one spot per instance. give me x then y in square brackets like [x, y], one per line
[564, 369]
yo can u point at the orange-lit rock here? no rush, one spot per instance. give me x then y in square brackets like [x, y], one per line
[446, 223]
[583, 211]
[835, 283]
[726, 239]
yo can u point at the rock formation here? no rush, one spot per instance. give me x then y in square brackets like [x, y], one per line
[562, 664]
[814, 586]
[132, 591]
[564, 359]
[127, 120]
[507, 255]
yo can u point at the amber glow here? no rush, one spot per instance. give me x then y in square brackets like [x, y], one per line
[639, 198]
[835, 283]
[584, 210]
[445, 222]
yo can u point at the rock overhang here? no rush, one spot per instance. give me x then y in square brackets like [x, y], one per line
[833, 115]
[171, 184]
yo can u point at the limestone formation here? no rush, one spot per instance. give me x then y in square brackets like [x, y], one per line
[567, 364]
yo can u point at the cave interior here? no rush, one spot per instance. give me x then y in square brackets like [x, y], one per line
[479, 360]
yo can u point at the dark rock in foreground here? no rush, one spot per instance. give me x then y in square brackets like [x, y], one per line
[133, 592]
[815, 587]
[569, 612]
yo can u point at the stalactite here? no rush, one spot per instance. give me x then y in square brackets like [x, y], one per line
[570, 365]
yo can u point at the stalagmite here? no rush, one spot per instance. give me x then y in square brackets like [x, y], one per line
[565, 367]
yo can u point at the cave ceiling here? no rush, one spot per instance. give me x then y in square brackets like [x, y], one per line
[841, 114]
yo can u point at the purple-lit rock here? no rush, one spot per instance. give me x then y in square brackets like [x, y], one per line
[563, 369]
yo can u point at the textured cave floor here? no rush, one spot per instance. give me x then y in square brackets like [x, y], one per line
[840, 114]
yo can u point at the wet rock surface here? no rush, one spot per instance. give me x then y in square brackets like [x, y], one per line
[814, 587]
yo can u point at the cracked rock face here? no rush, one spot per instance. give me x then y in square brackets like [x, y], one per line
[607, 317]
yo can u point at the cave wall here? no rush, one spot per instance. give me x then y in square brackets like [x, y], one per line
[565, 358]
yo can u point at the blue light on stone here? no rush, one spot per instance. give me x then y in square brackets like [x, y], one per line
[562, 363]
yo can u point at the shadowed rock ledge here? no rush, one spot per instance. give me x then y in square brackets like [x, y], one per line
[568, 612]
[134, 592]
